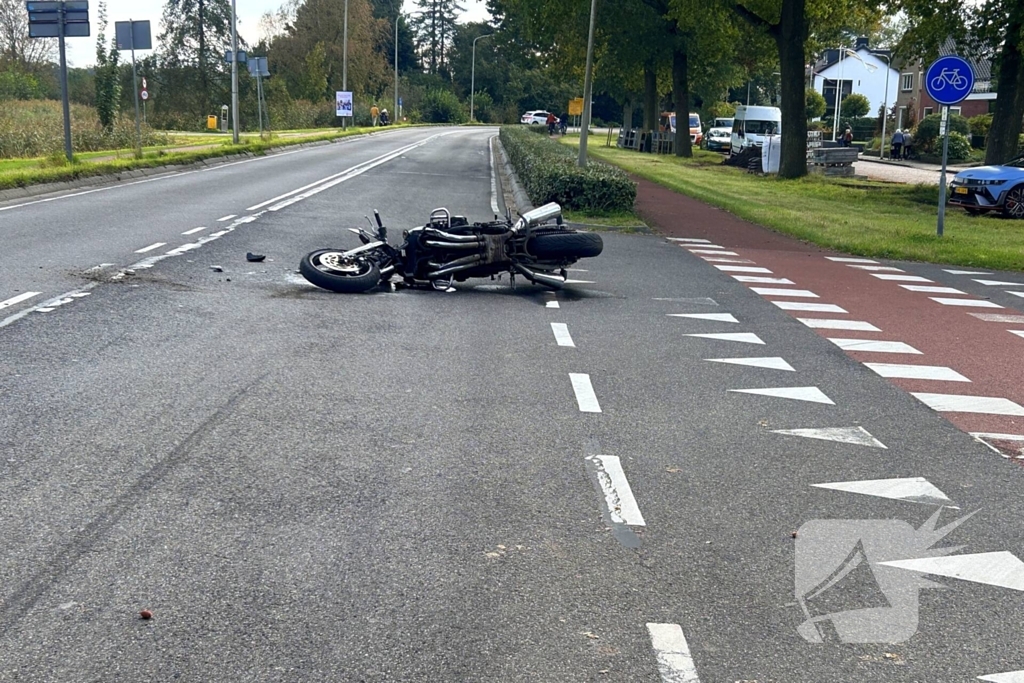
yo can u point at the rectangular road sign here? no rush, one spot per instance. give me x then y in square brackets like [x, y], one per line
[43, 30]
[42, 7]
[576, 107]
[133, 35]
[76, 30]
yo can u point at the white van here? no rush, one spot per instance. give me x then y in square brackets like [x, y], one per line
[752, 125]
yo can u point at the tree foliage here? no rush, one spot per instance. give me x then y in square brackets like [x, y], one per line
[435, 29]
[856, 105]
[107, 84]
[815, 104]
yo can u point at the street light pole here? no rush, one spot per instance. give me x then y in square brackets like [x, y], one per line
[588, 86]
[395, 114]
[839, 94]
[885, 107]
[234, 74]
[344, 58]
[472, 75]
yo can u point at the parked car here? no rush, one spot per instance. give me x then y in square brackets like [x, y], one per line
[991, 188]
[719, 138]
[537, 116]
[668, 125]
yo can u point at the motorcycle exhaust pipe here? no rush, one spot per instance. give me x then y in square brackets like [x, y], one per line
[453, 245]
[455, 266]
[433, 232]
[540, 278]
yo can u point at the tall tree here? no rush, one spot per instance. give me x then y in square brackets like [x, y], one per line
[435, 27]
[108, 84]
[196, 35]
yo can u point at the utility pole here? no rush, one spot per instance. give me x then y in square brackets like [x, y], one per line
[64, 87]
[234, 73]
[344, 58]
[472, 75]
[588, 84]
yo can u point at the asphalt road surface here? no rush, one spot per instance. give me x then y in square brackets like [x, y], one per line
[664, 477]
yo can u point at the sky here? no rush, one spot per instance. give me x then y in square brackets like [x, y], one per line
[82, 51]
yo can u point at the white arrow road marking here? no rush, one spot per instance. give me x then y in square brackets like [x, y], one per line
[810, 394]
[843, 259]
[929, 289]
[561, 331]
[618, 495]
[997, 283]
[909, 489]
[772, 363]
[775, 291]
[551, 304]
[743, 269]
[975, 303]
[874, 346]
[953, 403]
[675, 663]
[744, 337]
[150, 247]
[888, 269]
[686, 239]
[900, 278]
[833, 324]
[857, 436]
[934, 372]
[193, 231]
[25, 296]
[1008, 677]
[809, 307]
[1001, 569]
[584, 390]
[965, 272]
[753, 279]
[999, 318]
[718, 317]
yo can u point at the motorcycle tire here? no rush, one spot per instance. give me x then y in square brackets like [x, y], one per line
[362, 277]
[566, 245]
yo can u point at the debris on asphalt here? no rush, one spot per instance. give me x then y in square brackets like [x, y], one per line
[255, 258]
[217, 269]
[146, 614]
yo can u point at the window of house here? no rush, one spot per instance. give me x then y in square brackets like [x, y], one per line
[908, 82]
[956, 110]
[900, 116]
[927, 111]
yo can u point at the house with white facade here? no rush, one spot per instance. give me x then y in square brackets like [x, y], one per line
[857, 70]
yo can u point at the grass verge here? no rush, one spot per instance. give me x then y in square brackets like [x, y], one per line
[22, 173]
[882, 220]
[614, 221]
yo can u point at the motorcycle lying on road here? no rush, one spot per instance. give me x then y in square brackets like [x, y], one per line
[450, 249]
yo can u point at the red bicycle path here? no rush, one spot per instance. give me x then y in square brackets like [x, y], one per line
[985, 352]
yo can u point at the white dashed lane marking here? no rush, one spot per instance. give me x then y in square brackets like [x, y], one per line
[743, 269]
[999, 318]
[809, 307]
[955, 403]
[932, 372]
[712, 259]
[688, 239]
[975, 303]
[675, 663]
[843, 259]
[713, 251]
[874, 346]
[14, 300]
[774, 291]
[194, 231]
[754, 279]
[888, 269]
[900, 278]
[151, 247]
[930, 289]
[584, 390]
[227, 218]
[618, 495]
[561, 331]
[551, 304]
[833, 324]
[769, 363]
[717, 317]
[703, 246]
[998, 283]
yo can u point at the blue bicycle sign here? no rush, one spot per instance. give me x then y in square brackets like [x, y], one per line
[949, 80]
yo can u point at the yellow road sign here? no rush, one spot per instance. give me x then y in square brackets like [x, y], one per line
[576, 107]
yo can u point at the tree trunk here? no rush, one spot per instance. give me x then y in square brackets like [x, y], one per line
[681, 96]
[627, 115]
[1006, 119]
[790, 35]
[650, 99]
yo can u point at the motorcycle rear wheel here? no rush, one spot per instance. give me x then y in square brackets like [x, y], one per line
[566, 245]
[325, 269]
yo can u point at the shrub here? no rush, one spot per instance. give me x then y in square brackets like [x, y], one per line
[855, 105]
[815, 104]
[548, 172]
[928, 130]
[442, 106]
[959, 146]
[980, 124]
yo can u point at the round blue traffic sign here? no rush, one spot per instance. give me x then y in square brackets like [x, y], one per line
[949, 80]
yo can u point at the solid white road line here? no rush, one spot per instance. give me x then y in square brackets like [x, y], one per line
[900, 278]
[717, 317]
[551, 304]
[965, 272]
[810, 307]
[857, 436]
[494, 176]
[561, 331]
[888, 269]
[843, 259]
[744, 337]
[810, 394]
[227, 218]
[754, 279]
[874, 346]
[933, 372]
[910, 489]
[193, 231]
[998, 283]
[675, 663]
[833, 324]
[24, 296]
[771, 363]
[687, 239]
[775, 291]
[584, 390]
[929, 289]
[955, 403]
[150, 247]
[618, 495]
[1002, 569]
[975, 303]
[999, 318]
[743, 269]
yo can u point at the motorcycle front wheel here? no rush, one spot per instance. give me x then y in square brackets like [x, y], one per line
[329, 269]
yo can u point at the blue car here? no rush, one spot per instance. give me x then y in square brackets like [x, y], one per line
[991, 188]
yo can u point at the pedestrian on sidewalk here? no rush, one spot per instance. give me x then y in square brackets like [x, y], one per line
[908, 140]
[552, 121]
[847, 137]
[897, 145]
[374, 113]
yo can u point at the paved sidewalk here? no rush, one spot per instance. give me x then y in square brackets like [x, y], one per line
[913, 172]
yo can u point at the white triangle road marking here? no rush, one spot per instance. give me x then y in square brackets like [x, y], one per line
[686, 239]
[810, 394]
[857, 436]
[844, 259]
[1008, 677]
[930, 289]
[718, 317]
[743, 269]
[1002, 568]
[833, 324]
[888, 269]
[932, 372]
[806, 306]
[745, 337]
[1019, 333]
[999, 318]
[974, 303]
[1020, 294]
[770, 363]
[754, 279]
[778, 291]
[965, 272]
[900, 278]
[874, 346]
[955, 403]
[998, 283]
[909, 489]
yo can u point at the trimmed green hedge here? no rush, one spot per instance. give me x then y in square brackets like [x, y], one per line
[548, 173]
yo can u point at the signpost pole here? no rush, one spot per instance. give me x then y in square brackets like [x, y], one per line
[588, 84]
[64, 85]
[949, 80]
[259, 94]
[942, 174]
[135, 87]
[234, 74]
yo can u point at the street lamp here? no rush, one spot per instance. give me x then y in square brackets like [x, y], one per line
[472, 75]
[885, 105]
[344, 58]
[234, 74]
[588, 88]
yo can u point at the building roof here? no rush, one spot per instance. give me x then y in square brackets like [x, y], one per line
[982, 67]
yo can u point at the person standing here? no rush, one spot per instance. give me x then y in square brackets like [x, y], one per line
[847, 137]
[374, 113]
[897, 145]
[552, 121]
[908, 140]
